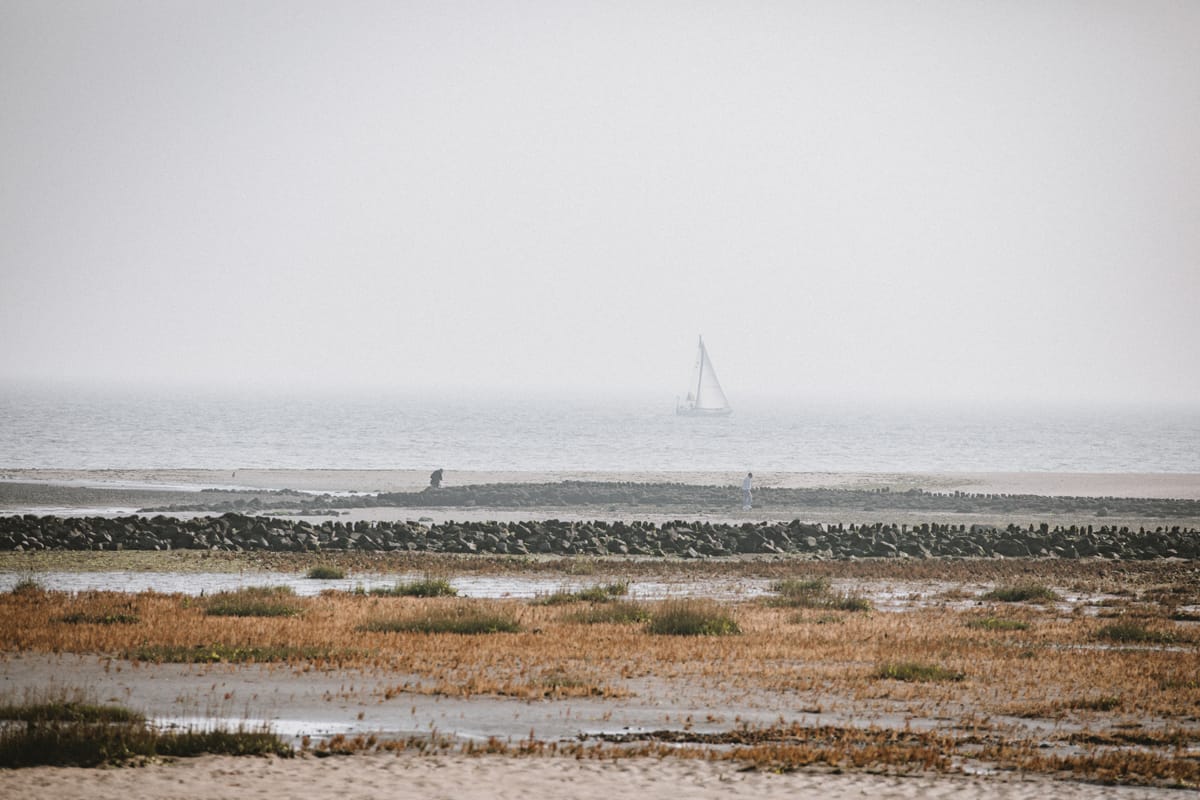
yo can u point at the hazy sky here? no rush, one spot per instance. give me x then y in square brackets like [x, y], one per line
[904, 199]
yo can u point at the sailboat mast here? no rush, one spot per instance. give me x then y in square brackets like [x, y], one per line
[700, 373]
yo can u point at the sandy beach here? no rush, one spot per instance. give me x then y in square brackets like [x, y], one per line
[399, 777]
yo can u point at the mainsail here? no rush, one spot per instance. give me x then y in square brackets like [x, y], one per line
[707, 398]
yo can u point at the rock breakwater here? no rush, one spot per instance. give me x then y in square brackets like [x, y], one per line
[239, 532]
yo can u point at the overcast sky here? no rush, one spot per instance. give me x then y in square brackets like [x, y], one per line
[909, 199]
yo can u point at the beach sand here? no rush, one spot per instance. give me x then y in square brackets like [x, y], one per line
[387, 776]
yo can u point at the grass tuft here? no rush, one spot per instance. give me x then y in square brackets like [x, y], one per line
[253, 601]
[428, 586]
[326, 573]
[108, 618]
[825, 619]
[1106, 703]
[801, 587]
[217, 653]
[915, 672]
[27, 587]
[89, 744]
[1134, 633]
[618, 613]
[462, 619]
[1023, 593]
[814, 593]
[692, 618]
[590, 594]
[68, 711]
[997, 624]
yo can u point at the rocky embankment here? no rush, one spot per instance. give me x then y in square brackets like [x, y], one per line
[681, 498]
[232, 531]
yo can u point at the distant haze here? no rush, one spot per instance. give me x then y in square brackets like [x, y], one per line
[896, 200]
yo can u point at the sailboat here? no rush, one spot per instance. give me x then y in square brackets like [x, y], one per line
[706, 398]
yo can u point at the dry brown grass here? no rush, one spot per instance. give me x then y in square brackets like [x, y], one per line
[1056, 668]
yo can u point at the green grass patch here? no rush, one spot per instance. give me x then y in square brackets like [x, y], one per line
[325, 573]
[68, 711]
[459, 619]
[1022, 593]
[801, 587]
[254, 601]
[814, 593]
[915, 672]
[692, 618]
[997, 624]
[1134, 633]
[591, 594]
[621, 612]
[426, 587]
[90, 744]
[231, 654]
[843, 601]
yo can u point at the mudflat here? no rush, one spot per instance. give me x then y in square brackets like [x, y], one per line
[1000, 677]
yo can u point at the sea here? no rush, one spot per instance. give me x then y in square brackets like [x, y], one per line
[90, 428]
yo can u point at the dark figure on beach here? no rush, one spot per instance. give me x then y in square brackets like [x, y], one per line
[435, 479]
[746, 486]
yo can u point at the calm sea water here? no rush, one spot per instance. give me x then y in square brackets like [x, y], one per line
[75, 429]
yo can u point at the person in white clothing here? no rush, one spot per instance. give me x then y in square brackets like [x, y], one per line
[746, 485]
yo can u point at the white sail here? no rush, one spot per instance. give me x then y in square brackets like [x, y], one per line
[706, 397]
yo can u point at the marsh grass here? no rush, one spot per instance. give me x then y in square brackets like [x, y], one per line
[429, 586]
[1128, 632]
[1022, 593]
[1106, 703]
[814, 593]
[621, 612]
[92, 743]
[253, 601]
[997, 624]
[916, 672]
[555, 683]
[1056, 664]
[801, 587]
[1058, 709]
[326, 572]
[231, 654]
[458, 619]
[103, 618]
[692, 618]
[778, 749]
[26, 587]
[590, 594]
[824, 619]
[68, 711]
